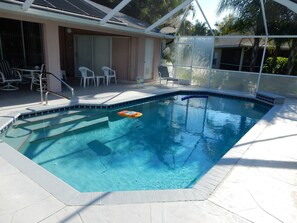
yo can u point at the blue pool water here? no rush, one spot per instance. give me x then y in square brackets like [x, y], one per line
[171, 146]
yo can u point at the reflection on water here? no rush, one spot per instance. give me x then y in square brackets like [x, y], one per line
[172, 145]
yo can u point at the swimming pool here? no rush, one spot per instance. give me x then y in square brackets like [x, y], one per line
[171, 146]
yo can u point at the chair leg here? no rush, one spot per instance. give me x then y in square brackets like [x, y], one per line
[97, 80]
[32, 82]
[115, 79]
[9, 87]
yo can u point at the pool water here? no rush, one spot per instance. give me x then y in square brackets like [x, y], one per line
[171, 146]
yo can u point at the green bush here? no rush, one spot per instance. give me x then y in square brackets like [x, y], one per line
[280, 67]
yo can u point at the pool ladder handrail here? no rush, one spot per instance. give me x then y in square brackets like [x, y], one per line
[54, 93]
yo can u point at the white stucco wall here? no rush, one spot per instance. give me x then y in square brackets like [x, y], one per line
[52, 54]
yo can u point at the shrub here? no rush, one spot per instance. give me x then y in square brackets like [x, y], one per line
[280, 67]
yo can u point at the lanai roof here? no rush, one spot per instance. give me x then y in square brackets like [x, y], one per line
[80, 9]
[99, 15]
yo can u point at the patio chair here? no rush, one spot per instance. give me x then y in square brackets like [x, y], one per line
[86, 76]
[109, 73]
[164, 75]
[9, 76]
[35, 78]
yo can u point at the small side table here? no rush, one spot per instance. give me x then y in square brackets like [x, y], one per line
[98, 77]
[140, 82]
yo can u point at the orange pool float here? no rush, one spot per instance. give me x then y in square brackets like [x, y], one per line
[130, 114]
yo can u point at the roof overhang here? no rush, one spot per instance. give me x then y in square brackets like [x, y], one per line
[72, 18]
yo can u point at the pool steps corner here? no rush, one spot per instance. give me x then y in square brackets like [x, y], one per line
[36, 128]
[66, 128]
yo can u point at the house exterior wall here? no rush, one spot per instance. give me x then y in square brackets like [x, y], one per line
[132, 55]
[133, 58]
[156, 57]
[127, 53]
[52, 54]
[140, 55]
[120, 57]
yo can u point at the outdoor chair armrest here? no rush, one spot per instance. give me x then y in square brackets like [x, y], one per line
[18, 73]
[112, 71]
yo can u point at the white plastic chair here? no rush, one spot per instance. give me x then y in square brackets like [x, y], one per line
[109, 73]
[35, 77]
[86, 76]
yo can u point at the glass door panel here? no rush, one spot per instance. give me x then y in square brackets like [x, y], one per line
[83, 52]
[101, 53]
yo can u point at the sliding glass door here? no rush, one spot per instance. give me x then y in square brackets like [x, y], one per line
[21, 43]
[92, 52]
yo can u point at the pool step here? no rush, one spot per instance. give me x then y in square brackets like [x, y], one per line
[68, 128]
[54, 116]
[61, 120]
[16, 137]
[41, 118]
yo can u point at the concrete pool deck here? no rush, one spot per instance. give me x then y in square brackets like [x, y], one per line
[261, 187]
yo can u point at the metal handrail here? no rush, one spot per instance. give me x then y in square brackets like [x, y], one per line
[57, 94]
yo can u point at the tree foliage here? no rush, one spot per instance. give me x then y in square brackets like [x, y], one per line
[282, 21]
[245, 18]
[278, 67]
[248, 19]
[148, 10]
[197, 29]
[227, 25]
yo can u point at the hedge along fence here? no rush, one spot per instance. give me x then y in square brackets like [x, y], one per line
[280, 67]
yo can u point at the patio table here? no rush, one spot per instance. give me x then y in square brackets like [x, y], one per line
[29, 73]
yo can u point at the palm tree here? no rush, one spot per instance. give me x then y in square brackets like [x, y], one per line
[186, 28]
[200, 29]
[249, 20]
[292, 56]
[227, 25]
